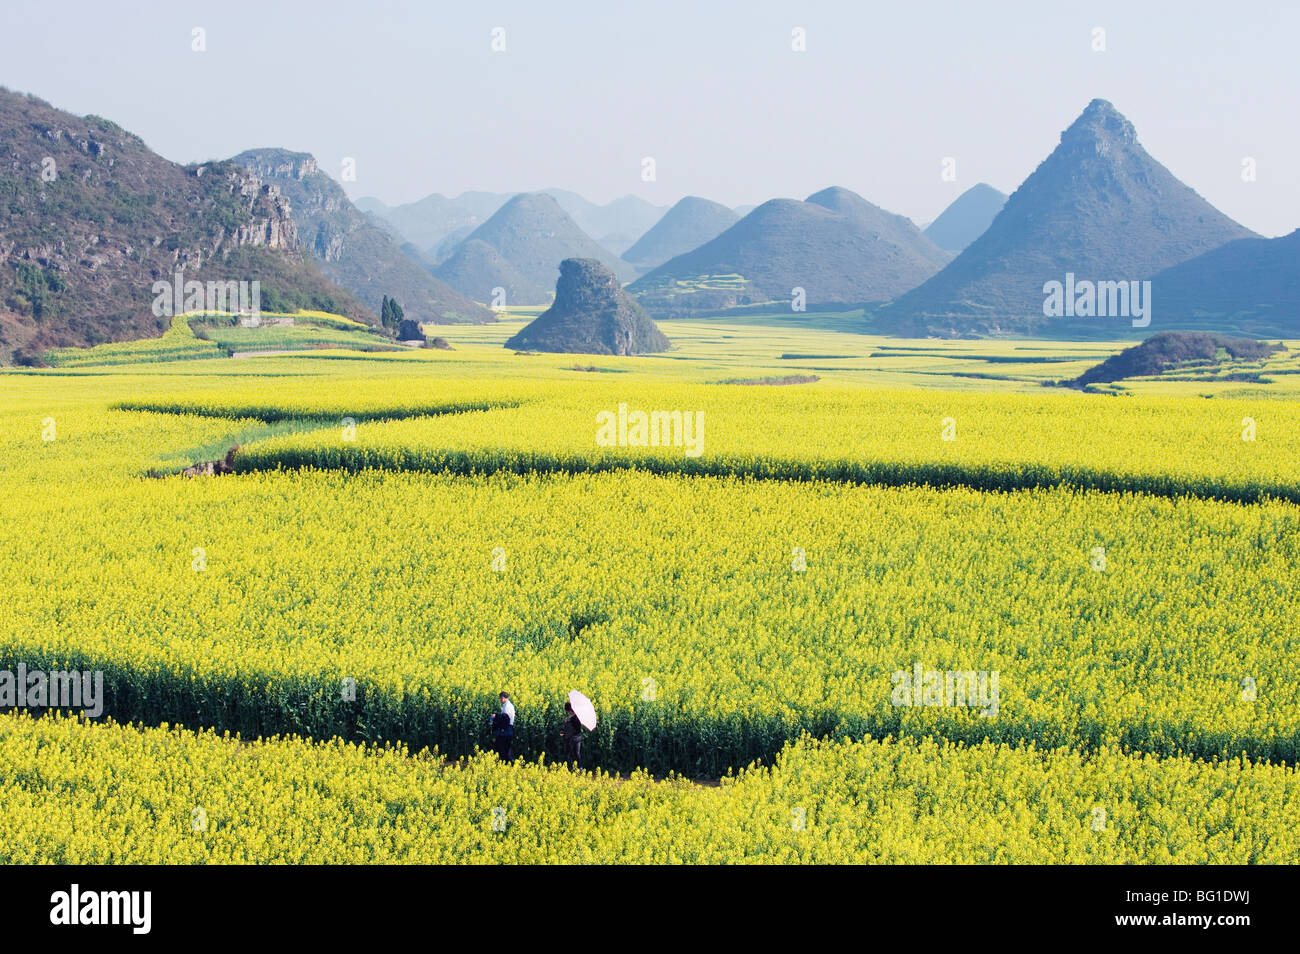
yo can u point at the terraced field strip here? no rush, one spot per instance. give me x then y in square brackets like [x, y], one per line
[168, 796]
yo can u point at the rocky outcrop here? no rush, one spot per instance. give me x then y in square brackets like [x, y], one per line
[592, 314]
[409, 330]
[92, 219]
[270, 220]
[350, 248]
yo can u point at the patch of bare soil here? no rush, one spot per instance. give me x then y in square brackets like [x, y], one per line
[211, 468]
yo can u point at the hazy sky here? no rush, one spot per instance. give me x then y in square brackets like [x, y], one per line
[714, 92]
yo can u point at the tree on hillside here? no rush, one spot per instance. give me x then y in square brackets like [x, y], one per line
[390, 314]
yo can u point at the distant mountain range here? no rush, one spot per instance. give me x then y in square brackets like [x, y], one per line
[519, 249]
[686, 226]
[967, 218]
[427, 222]
[350, 249]
[436, 223]
[835, 245]
[92, 218]
[614, 226]
[1098, 209]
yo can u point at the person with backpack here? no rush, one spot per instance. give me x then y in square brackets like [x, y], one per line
[571, 731]
[503, 728]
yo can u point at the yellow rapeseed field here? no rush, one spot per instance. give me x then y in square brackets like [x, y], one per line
[408, 535]
[106, 794]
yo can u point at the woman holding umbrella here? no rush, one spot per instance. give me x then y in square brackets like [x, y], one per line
[579, 714]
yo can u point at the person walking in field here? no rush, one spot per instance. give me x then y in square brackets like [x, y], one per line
[503, 728]
[571, 730]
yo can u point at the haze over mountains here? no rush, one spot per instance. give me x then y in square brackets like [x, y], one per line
[436, 223]
[614, 226]
[349, 248]
[530, 235]
[967, 218]
[686, 226]
[427, 222]
[93, 218]
[835, 245]
[1099, 207]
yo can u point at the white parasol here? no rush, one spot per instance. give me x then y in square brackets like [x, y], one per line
[583, 709]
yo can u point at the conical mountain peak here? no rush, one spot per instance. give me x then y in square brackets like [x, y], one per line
[1100, 125]
[1099, 207]
[686, 226]
[532, 234]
